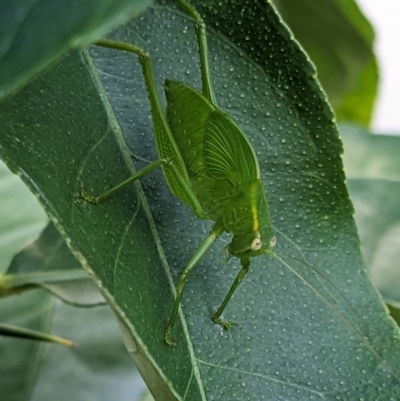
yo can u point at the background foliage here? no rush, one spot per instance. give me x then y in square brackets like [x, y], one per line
[71, 124]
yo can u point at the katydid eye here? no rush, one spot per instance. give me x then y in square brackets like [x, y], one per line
[272, 242]
[256, 244]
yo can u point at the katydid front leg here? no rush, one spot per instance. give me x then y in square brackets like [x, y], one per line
[245, 262]
[141, 173]
[208, 90]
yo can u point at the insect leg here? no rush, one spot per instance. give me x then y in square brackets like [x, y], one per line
[245, 262]
[170, 156]
[146, 170]
[208, 90]
[203, 248]
[195, 204]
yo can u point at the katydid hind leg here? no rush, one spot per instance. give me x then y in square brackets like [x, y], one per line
[216, 232]
[175, 170]
[170, 158]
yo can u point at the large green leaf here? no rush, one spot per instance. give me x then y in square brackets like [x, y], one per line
[65, 128]
[34, 34]
[373, 169]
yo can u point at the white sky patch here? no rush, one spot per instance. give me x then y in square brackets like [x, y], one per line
[385, 17]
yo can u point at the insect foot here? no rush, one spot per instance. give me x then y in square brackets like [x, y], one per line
[168, 162]
[83, 194]
[224, 323]
[168, 339]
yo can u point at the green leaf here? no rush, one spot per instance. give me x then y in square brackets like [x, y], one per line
[358, 103]
[35, 34]
[339, 40]
[48, 263]
[19, 332]
[395, 313]
[294, 343]
[23, 217]
[98, 368]
[373, 170]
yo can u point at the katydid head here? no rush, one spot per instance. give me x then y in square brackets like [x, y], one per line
[252, 244]
[247, 218]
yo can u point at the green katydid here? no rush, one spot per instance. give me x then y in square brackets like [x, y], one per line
[208, 163]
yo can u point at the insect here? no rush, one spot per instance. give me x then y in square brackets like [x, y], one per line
[208, 163]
